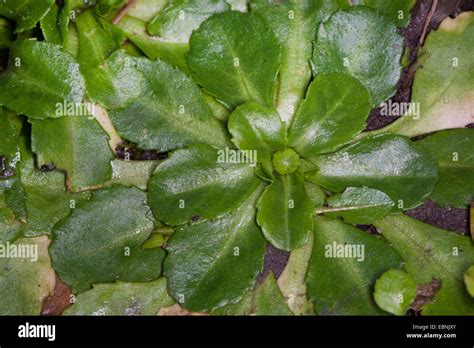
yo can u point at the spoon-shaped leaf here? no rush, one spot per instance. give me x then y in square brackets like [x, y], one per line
[395, 290]
[236, 58]
[454, 152]
[364, 44]
[334, 111]
[26, 13]
[285, 212]
[199, 183]
[41, 72]
[212, 263]
[294, 23]
[75, 144]
[100, 241]
[391, 164]
[344, 265]
[177, 21]
[153, 104]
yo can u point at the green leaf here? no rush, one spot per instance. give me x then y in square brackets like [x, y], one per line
[122, 299]
[363, 44]
[443, 86]
[453, 151]
[315, 192]
[132, 173]
[71, 40]
[292, 280]
[49, 26]
[181, 18]
[395, 290]
[9, 144]
[286, 161]
[41, 72]
[469, 280]
[344, 265]
[68, 14]
[388, 163]
[430, 252]
[256, 127]
[285, 212]
[198, 183]
[106, 7]
[334, 111]
[397, 10]
[99, 242]
[14, 196]
[154, 105]
[236, 58]
[358, 205]
[24, 283]
[9, 227]
[75, 144]
[46, 198]
[26, 13]
[212, 263]
[171, 52]
[294, 23]
[219, 110]
[11, 188]
[156, 240]
[266, 299]
[95, 43]
[117, 83]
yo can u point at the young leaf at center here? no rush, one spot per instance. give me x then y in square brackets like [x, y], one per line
[255, 127]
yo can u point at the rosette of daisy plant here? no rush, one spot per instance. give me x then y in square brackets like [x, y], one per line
[260, 114]
[304, 130]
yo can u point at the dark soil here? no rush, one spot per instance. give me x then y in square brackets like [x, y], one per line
[58, 301]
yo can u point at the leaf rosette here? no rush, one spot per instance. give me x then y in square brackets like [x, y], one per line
[259, 108]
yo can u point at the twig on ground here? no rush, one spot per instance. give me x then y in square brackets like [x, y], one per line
[427, 22]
